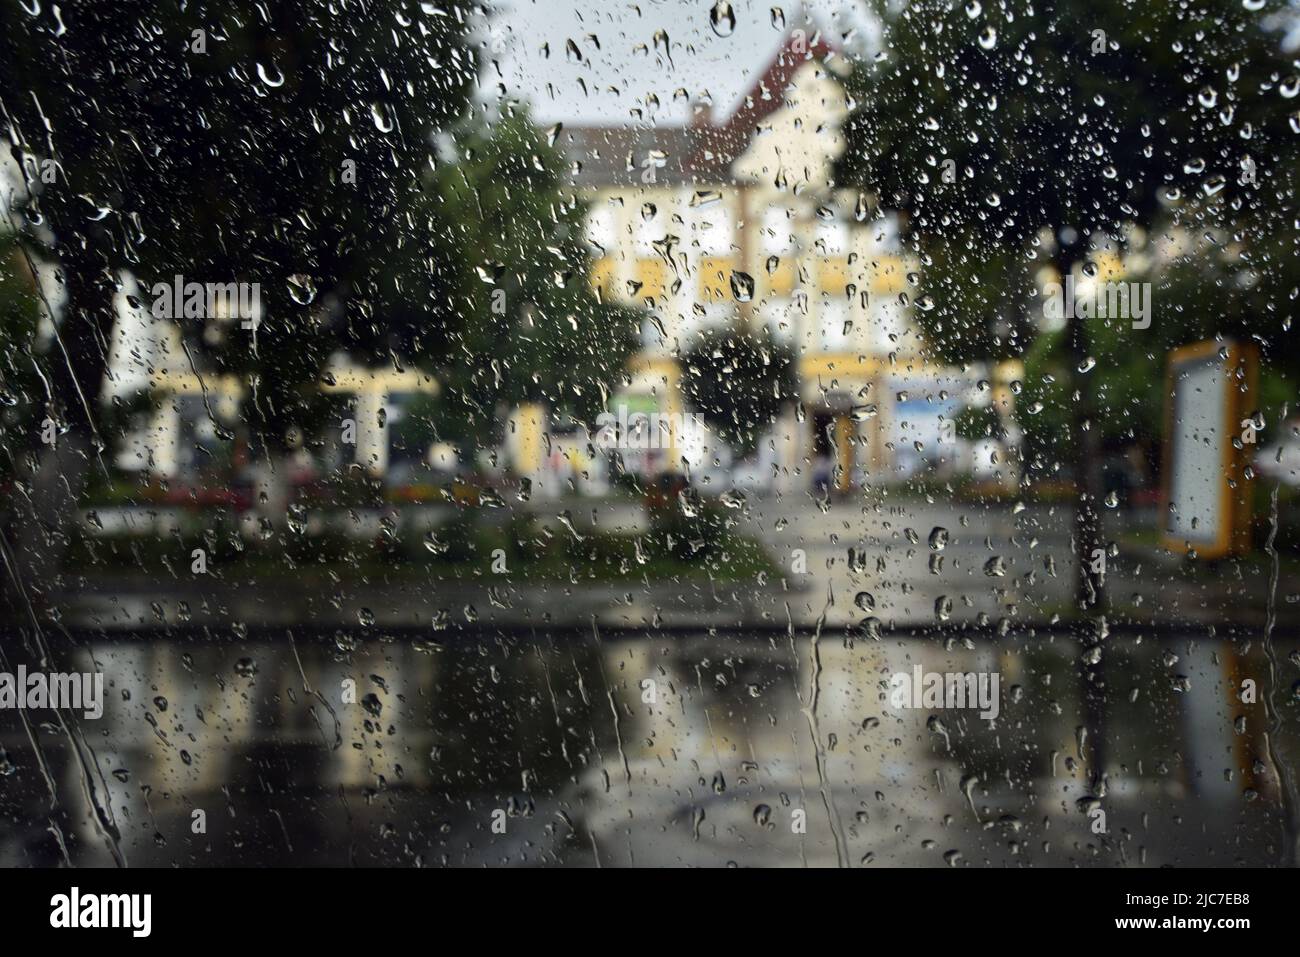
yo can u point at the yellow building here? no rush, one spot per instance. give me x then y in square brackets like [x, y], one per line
[146, 355]
[738, 222]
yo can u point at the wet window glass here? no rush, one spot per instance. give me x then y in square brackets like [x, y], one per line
[855, 434]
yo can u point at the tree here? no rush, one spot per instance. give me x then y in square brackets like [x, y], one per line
[274, 146]
[299, 151]
[738, 381]
[526, 324]
[19, 385]
[1208, 292]
[1031, 129]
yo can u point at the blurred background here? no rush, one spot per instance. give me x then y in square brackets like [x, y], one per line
[538, 433]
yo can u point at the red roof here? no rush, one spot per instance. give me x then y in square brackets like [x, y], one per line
[700, 149]
[768, 93]
[764, 98]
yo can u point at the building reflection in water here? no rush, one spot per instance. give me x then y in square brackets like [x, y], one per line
[617, 749]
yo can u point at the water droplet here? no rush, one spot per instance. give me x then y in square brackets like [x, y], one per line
[272, 77]
[722, 18]
[742, 286]
[384, 118]
[302, 289]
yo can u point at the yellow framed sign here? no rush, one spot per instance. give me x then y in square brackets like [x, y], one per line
[1206, 485]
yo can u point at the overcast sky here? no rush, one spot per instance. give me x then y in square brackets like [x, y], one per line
[629, 67]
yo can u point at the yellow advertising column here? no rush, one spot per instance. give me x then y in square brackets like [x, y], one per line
[1207, 485]
[529, 439]
[844, 458]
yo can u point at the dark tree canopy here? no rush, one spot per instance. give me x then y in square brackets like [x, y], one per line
[281, 145]
[1085, 114]
[739, 382]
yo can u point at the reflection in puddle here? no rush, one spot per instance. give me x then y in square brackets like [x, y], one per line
[754, 748]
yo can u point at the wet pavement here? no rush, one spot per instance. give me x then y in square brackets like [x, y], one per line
[336, 719]
[901, 564]
[591, 746]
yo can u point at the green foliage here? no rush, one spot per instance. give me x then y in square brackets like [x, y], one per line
[21, 396]
[1049, 124]
[979, 295]
[302, 149]
[687, 527]
[1011, 138]
[1199, 297]
[527, 326]
[738, 381]
[245, 142]
[977, 422]
[416, 429]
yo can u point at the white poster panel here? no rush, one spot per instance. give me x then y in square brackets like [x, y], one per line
[1200, 433]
